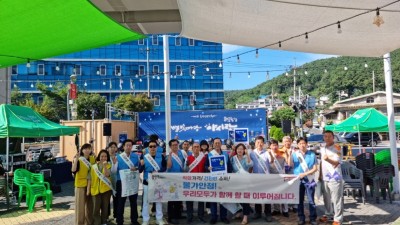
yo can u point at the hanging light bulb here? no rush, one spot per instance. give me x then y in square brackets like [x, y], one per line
[158, 77]
[28, 64]
[257, 53]
[50, 85]
[339, 28]
[181, 73]
[378, 20]
[207, 69]
[305, 72]
[57, 67]
[280, 45]
[154, 77]
[193, 77]
[220, 64]
[137, 76]
[85, 84]
[140, 80]
[325, 71]
[31, 85]
[306, 41]
[345, 68]
[15, 86]
[287, 74]
[365, 65]
[211, 77]
[238, 59]
[98, 72]
[194, 71]
[267, 75]
[104, 83]
[74, 70]
[172, 76]
[248, 75]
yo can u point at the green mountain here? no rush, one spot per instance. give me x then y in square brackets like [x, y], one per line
[325, 77]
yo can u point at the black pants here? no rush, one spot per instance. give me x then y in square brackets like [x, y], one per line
[267, 209]
[174, 210]
[246, 209]
[121, 206]
[189, 208]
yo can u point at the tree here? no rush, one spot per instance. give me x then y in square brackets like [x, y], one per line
[85, 103]
[54, 103]
[285, 113]
[17, 98]
[133, 103]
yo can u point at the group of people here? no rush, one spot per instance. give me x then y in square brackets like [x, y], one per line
[97, 179]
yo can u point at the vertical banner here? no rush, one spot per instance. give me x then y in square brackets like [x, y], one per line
[229, 188]
[73, 91]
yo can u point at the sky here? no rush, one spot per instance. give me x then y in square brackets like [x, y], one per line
[274, 61]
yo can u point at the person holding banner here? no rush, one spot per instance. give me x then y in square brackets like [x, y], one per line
[99, 180]
[204, 148]
[81, 165]
[332, 179]
[286, 151]
[304, 163]
[259, 156]
[195, 164]
[113, 152]
[226, 164]
[277, 166]
[152, 162]
[126, 167]
[241, 163]
[175, 164]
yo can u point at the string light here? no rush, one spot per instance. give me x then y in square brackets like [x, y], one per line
[378, 20]
[267, 75]
[28, 64]
[194, 71]
[345, 68]
[339, 28]
[248, 76]
[50, 85]
[140, 80]
[257, 53]
[193, 77]
[98, 72]
[31, 85]
[306, 41]
[207, 69]
[181, 73]
[238, 59]
[172, 76]
[325, 71]
[220, 64]
[366, 65]
[280, 45]
[212, 77]
[15, 86]
[305, 72]
[287, 74]
[158, 77]
[57, 67]
[154, 77]
[137, 76]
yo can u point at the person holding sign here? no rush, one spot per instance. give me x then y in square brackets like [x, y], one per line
[241, 163]
[259, 156]
[83, 202]
[126, 166]
[113, 152]
[218, 163]
[175, 164]
[195, 164]
[304, 163]
[152, 162]
[99, 180]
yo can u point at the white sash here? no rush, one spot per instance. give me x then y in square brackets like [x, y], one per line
[277, 164]
[185, 155]
[127, 160]
[177, 159]
[152, 162]
[103, 178]
[196, 162]
[303, 164]
[239, 165]
[85, 162]
[260, 161]
[213, 153]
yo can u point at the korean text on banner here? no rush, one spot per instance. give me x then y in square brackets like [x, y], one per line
[229, 188]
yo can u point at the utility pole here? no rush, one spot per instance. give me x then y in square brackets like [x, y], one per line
[148, 68]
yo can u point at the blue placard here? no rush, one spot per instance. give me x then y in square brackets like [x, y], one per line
[122, 137]
[218, 165]
[241, 135]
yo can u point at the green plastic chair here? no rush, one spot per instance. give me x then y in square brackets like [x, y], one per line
[33, 186]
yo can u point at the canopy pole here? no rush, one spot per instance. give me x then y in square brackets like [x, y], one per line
[7, 161]
[390, 111]
[167, 93]
[359, 141]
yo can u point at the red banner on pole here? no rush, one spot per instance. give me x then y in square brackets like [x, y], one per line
[73, 91]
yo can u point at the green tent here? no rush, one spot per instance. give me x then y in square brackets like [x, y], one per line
[20, 121]
[364, 120]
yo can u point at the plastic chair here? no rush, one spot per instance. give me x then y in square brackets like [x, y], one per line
[382, 182]
[353, 179]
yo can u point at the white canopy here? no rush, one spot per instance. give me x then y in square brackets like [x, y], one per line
[257, 23]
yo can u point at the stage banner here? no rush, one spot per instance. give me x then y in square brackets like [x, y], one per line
[230, 188]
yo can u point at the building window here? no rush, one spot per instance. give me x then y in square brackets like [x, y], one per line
[78, 70]
[192, 99]
[14, 70]
[192, 70]
[156, 69]
[103, 70]
[191, 42]
[154, 40]
[370, 100]
[141, 70]
[117, 70]
[156, 100]
[178, 70]
[140, 42]
[178, 41]
[40, 69]
[40, 100]
[179, 100]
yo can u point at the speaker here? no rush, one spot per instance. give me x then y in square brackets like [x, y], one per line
[286, 126]
[106, 129]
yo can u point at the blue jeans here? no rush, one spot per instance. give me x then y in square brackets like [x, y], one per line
[311, 204]
[214, 211]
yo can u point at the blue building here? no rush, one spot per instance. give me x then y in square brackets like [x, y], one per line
[196, 72]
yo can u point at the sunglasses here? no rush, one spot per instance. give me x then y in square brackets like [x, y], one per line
[152, 146]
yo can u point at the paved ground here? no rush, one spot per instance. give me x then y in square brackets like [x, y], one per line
[63, 212]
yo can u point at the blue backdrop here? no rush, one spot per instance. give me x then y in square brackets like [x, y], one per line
[201, 125]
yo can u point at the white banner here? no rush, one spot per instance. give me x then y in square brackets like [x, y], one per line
[129, 182]
[229, 188]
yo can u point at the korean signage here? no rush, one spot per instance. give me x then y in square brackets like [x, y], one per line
[241, 135]
[229, 188]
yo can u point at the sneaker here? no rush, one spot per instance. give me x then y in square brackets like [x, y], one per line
[160, 222]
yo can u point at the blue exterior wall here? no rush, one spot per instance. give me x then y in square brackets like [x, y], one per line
[98, 71]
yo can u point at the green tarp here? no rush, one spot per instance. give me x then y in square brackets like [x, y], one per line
[20, 121]
[364, 120]
[38, 29]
